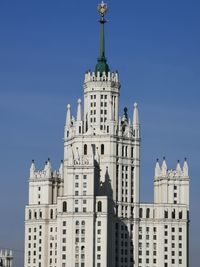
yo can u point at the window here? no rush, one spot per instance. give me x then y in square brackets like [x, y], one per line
[85, 149]
[102, 149]
[166, 214]
[173, 214]
[51, 214]
[147, 213]
[29, 214]
[140, 212]
[180, 215]
[64, 206]
[99, 206]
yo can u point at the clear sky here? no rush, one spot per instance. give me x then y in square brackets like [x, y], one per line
[45, 49]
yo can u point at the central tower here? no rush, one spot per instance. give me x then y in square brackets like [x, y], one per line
[101, 162]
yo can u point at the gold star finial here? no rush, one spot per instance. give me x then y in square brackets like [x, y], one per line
[102, 8]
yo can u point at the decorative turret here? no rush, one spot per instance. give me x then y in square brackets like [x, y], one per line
[135, 115]
[185, 168]
[32, 168]
[102, 66]
[48, 169]
[164, 167]
[157, 169]
[78, 117]
[136, 126]
[68, 117]
[178, 167]
[61, 169]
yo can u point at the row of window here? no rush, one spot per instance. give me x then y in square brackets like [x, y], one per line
[124, 151]
[102, 149]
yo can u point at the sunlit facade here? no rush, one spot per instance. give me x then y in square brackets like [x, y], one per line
[88, 213]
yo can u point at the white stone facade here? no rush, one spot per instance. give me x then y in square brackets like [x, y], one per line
[6, 258]
[89, 214]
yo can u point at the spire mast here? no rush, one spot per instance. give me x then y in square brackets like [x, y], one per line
[102, 8]
[102, 65]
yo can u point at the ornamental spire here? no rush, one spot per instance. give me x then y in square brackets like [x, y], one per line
[102, 65]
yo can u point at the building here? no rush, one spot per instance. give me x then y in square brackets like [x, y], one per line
[88, 213]
[6, 258]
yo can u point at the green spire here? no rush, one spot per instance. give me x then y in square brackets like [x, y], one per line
[102, 65]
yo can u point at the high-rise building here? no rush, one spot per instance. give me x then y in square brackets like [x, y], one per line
[88, 213]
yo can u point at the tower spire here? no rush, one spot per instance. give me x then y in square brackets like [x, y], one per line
[102, 65]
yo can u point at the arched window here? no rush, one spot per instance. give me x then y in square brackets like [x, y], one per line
[77, 222]
[82, 248]
[29, 214]
[40, 214]
[51, 214]
[35, 214]
[64, 206]
[140, 213]
[83, 222]
[99, 206]
[102, 149]
[85, 149]
[148, 213]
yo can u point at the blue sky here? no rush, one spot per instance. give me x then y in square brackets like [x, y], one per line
[45, 49]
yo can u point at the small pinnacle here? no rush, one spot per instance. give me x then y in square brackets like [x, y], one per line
[46, 162]
[68, 106]
[61, 160]
[157, 160]
[33, 161]
[164, 158]
[48, 159]
[79, 101]
[178, 160]
[185, 159]
[135, 105]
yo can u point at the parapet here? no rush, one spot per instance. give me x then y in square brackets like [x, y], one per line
[47, 172]
[163, 172]
[109, 77]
